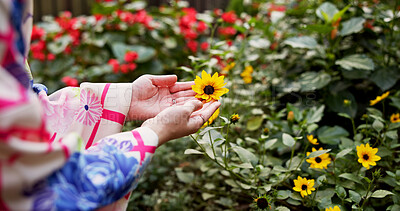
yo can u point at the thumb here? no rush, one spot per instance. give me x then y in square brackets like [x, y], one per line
[163, 80]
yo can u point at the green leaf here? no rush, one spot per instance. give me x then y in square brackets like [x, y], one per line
[354, 196]
[323, 29]
[192, 151]
[343, 153]
[310, 81]
[340, 191]
[245, 155]
[329, 9]
[336, 103]
[206, 196]
[297, 114]
[301, 42]
[340, 13]
[59, 45]
[254, 123]
[145, 53]
[351, 26]
[331, 135]
[377, 125]
[356, 61]
[269, 143]
[288, 140]
[283, 194]
[318, 153]
[385, 78]
[183, 176]
[315, 114]
[282, 208]
[351, 177]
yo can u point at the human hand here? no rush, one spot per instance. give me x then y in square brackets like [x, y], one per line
[181, 120]
[151, 94]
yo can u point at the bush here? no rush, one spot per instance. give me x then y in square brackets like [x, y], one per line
[315, 87]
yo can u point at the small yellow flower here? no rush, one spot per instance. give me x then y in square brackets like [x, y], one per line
[229, 66]
[290, 116]
[346, 102]
[379, 98]
[395, 118]
[312, 140]
[304, 186]
[367, 155]
[211, 119]
[235, 118]
[246, 74]
[266, 131]
[335, 208]
[319, 162]
[209, 88]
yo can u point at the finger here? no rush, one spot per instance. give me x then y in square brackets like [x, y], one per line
[163, 80]
[192, 106]
[180, 86]
[186, 93]
[196, 121]
[183, 100]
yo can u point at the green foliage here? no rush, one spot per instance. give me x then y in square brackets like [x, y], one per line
[316, 69]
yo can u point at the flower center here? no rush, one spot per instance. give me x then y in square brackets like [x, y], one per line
[208, 89]
[304, 187]
[86, 107]
[365, 157]
[318, 159]
[262, 203]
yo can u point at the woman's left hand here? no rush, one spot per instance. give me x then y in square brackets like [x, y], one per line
[151, 94]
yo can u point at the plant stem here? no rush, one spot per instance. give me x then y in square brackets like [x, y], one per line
[366, 195]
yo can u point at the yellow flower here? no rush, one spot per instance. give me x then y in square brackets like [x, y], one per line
[212, 118]
[304, 186]
[346, 102]
[209, 88]
[379, 98]
[366, 155]
[229, 66]
[235, 118]
[395, 118]
[290, 116]
[312, 140]
[319, 162]
[335, 208]
[246, 74]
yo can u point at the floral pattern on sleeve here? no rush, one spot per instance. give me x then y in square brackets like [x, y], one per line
[90, 109]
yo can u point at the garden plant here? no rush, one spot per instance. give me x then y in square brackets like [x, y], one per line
[310, 97]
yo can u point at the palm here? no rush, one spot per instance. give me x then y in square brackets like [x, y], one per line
[152, 94]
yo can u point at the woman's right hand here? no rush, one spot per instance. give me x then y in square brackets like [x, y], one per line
[179, 121]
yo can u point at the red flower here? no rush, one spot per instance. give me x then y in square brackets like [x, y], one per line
[201, 26]
[192, 45]
[38, 46]
[227, 31]
[217, 12]
[189, 34]
[114, 64]
[51, 57]
[132, 66]
[37, 33]
[204, 46]
[369, 24]
[39, 55]
[130, 56]
[67, 50]
[124, 68]
[229, 17]
[69, 81]
[278, 8]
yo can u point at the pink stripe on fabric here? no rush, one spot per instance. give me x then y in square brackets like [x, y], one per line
[66, 150]
[96, 126]
[4, 103]
[141, 148]
[113, 116]
[127, 196]
[3, 206]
